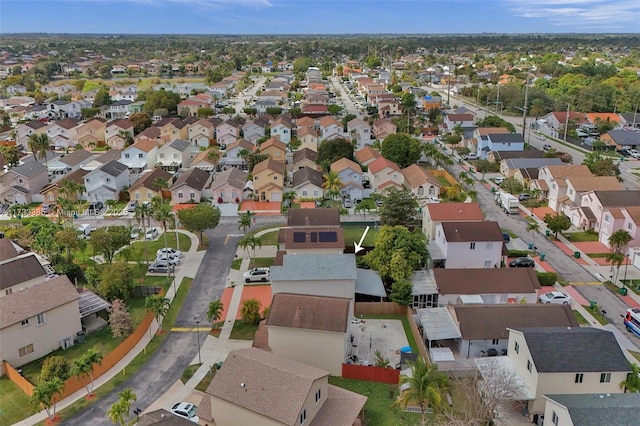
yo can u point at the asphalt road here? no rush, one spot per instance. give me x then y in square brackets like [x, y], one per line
[178, 349]
[349, 106]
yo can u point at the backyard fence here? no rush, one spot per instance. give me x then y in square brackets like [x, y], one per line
[17, 378]
[378, 308]
[416, 334]
[373, 374]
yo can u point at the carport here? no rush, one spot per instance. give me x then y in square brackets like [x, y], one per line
[438, 326]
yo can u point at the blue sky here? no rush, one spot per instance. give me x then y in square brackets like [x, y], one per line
[319, 16]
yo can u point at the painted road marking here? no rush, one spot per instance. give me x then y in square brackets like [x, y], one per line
[190, 329]
[226, 240]
[585, 283]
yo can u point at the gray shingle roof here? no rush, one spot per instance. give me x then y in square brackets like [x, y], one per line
[180, 145]
[233, 176]
[29, 169]
[315, 267]
[114, 168]
[527, 163]
[20, 269]
[601, 409]
[625, 137]
[506, 137]
[307, 174]
[194, 178]
[76, 157]
[618, 198]
[576, 349]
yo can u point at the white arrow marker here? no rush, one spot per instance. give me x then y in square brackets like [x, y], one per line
[358, 246]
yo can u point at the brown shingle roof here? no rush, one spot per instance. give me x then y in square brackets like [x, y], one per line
[483, 131]
[381, 164]
[367, 153]
[194, 178]
[147, 179]
[274, 386]
[243, 143]
[309, 312]
[7, 250]
[19, 270]
[275, 142]
[345, 163]
[634, 213]
[457, 232]
[232, 176]
[448, 212]
[120, 122]
[269, 164]
[619, 198]
[145, 144]
[342, 407]
[304, 154]
[595, 183]
[417, 176]
[484, 281]
[36, 299]
[491, 321]
[565, 171]
[313, 217]
[307, 175]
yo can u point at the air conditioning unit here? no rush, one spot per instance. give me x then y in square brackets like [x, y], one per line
[66, 343]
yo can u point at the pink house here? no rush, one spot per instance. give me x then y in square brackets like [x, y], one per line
[602, 211]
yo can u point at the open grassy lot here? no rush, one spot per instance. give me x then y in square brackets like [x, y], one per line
[268, 239]
[353, 235]
[14, 404]
[378, 410]
[581, 237]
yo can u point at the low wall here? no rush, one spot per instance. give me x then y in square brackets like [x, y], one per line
[378, 308]
[373, 374]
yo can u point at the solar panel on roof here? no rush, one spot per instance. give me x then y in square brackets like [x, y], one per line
[299, 237]
[314, 237]
[328, 237]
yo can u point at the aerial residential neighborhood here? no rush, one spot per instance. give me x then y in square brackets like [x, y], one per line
[325, 230]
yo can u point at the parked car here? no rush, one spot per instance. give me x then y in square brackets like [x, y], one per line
[173, 260]
[540, 137]
[624, 152]
[186, 411]
[524, 197]
[634, 153]
[522, 262]
[47, 208]
[379, 202]
[499, 180]
[85, 230]
[151, 234]
[506, 237]
[95, 208]
[131, 207]
[556, 297]
[169, 250]
[256, 274]
[135, 233]
[470, 157]
[546, 147]
[433, 200]
[347, 203]
[160, 266]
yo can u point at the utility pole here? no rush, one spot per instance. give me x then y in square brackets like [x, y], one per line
[524, 110]
[566, 123]
[449, 88]
[497, 98]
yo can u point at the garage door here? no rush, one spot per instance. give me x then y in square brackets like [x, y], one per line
[604, 237]
[276, 197]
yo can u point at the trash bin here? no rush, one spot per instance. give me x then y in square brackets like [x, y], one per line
[530, 246]
[623, 291]
[592, 304]
[542, 255]
[576, 254]
[81, 336]
[547, 232]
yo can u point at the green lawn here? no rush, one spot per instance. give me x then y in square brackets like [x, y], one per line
[581, 237]
[597, 315]
[353, 235]
[189, 372]
[270, 238]
[236, 264]
[378, 410]
[206, 380]
[14, 404]
[580, 318]
[263, 262]
[153, 246]
[243, 331]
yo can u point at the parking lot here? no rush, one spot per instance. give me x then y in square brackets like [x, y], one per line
[371, 335]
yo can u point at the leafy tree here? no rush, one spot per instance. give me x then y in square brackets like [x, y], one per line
[495, 121]
[116, 281]
[601, 166]
[205, 112]
[402, 292]
[334, 109]
[140, 122]
[616, 259]
[250, 111]
[228, 110]
[402, 149]
[110, 239]
[333, 150]
[158, 306]
[161, 99]
[127, 398]
[512, 185]
[43, 395]
[250, 311]
[10, 155]
[398, 208]
[199, 218]
[301, 65]
[380, 360]
[373, 61]
[557, 223]
[273, 111]
[119, 319]
[632, 382]
[426, 385]
[397, 253]
[214, 312]
[102, 97]
[55, 366]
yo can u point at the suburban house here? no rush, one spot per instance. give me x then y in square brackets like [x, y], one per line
[65, 163]
[268, 180]
[573, 189]
[171, 129]
[282, 127]
[566, 360]
[478, 330]
[106, 182]
[304, 157]
[486, 285]
[309, 137]
[384, 175]
[307, 183]
[591, 409]
[359, 131]
[190, 186]
[51, 192]
[228, 131]
[620, 139]
[101, 159]
[421, 183]
[201, 133]
[367, 155]
[255, 129]
[191, 106]
[91, 133]
[554, 180]
[145, 188]
[468, 245]
[139, 156]
[497, 156]
[152, 133]
[510, 166]
[228, 186]
[232, 156]
[599, 210]
[115, 133]
[452, 120]
[554, 123]
[258, 387]
[309, 329]
[310, 240]
[274, 148]
[297, 218]
[20, 184]
[433, 214]
[119, 109]
[63, 133]
[174, 155]
[330, 128]
[627, 218]
[500, 142]
[23, 131]
[384, 127]
[350, 174]
[36, 317]
[206, 160]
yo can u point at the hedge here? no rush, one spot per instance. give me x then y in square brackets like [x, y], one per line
[518, 253]
[547, 278]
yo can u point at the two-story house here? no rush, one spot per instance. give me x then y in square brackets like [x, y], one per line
[92, 133]
[433, 214]
[66, 163]
[359, 131]
[233, 155]
[106, 182]
[304, 157]
[23, 131]
[255, 129]
[119, 109]
[554, 180]
[569, 203]
[228, 132]
[307, 183]
[174, 155]
[499, 142]
[139, 156]
[51, 192]
[350, 174]
[171, 129]
[309, 137]
[554, 123]
[566, 360]
[229, 186]
[622, 218]
[201, 133]
[145, 187]
[268, 180]
[591, 409]
[115, 133]
[189, 107]
[601, 211]
[385, 175]
[22, 184]
[468, 245]
[63, 133]
[451, 121]
[330, 128]
[422, 184]
[190, 187]
[274, 148]
[383, 127]
[282, 128]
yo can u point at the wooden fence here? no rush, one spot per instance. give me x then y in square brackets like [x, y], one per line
[378, 308]
[444, 174]
[17, 378]
[373, 374]
[416, 335]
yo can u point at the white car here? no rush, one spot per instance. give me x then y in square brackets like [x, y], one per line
[169, 250]
[634, 153]
[151, 234]
[257, 274]
[173, 260]
[556, 297]
[186, 411]
[135, 233]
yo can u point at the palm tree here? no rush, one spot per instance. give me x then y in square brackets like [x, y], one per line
[619, 239]
[162, 185]
[215, 310]
[117, 413]
[162, 214]
[39, 143]
[213, 155]
[81, 370]
[127, 136]
[158, 306]
[632, 382]
[43, 395]
[143, 211]
[127, 397]
[615, 258]
[332, 183]
[425, 386]
[250, 242]
[92, 357]
[533, 227]
[244, 222]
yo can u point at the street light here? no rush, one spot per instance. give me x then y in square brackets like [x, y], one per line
[198, 336]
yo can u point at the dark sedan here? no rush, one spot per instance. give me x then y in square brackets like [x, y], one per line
[522, 262]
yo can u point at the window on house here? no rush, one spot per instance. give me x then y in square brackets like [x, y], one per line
[161, 155]
[25, 322]
[126, 155]
[606, 218]
[8, 291]
[303, 416]
[137, 196]
[140, 155]
[318, 395]
[25, 350]
[149, 195]
[517, 348]
[629, 226]
[175, 155]
[41, 319]
[192, 195]
[605, 377]
[553, 186]
[88, 180]
[275, 178]
[255, 178]
[108, 179]
[554, 418]
[304, 193]
[571, 192]
[20, 180]
[495, 341]
[489, 245]
[472, 246]
[315, 193]
[487, 264]
[579, 378]
[180, 195]
[529, 365]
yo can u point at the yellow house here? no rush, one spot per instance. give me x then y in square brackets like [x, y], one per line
[268, 180]
[274, 148]
[144, 188]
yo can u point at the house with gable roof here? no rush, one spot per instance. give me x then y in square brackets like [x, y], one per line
[105, 182]
[206, 160]
[468, 245]
[23, 131]
[351, 176]
[304, 157]
[602, 210]
[433, 214]
[359, 131]
[330, 128]
[307, 183]
[229, 186]
[63, 133]
[591, 409]
[191, 187]
[309, 137]
[367, 155]
[383, 127]
[22, 184]
[228, 131]
[554, 177]
[114, 132]
[232, 156]
[174, 155]
[274, 148]
[420, 182]
[66, 163]
[385, 174]
[201, 133]
[51, 192]
[553, 124]
[139, 156]
[91, 133]
[282, 128]
[255, 129]
[145, 188]
[268, 180]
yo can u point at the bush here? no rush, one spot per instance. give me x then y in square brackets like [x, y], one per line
[55, 366]
[547, 278]
[518, 253]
